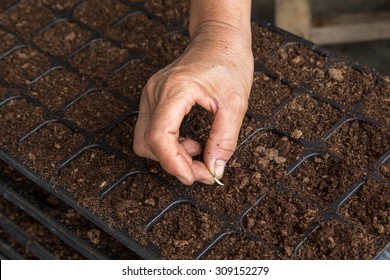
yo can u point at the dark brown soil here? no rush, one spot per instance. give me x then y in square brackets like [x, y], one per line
[121, 137]
[100, 16]
[99, 59]
[359, 144]
[266, 95]
[59, 5]
[369, 208]
[136, 200]
[377, 104]
[22, 66]
[62, 38]
[3, 93]
[296, 64]
[281, 220]
[44, 149]
[385, 171]
[170, 10]
[305, 117]
[88, 114]
[26, 18]
[264, 43]
[338, 241]
[130, 80]
[57, 88]
[235, 247]
[266, 157]
[137, 31]
[8, 40]
[17, 118]
[323, 178]
[90, 174]
[183, 231]
[343, 84]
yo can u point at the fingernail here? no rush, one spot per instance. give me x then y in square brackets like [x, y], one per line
[219, 167]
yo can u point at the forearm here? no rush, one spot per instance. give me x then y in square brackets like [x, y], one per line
[226, 16]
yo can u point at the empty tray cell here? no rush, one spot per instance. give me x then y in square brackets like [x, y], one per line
[337, 241]
[121, 137]
[169, 10]
[87, 113]
[369, 208]
[240, 191]
[296, 63]
[61, 38]
[17, 118]
[281, 220]
[359, 143]
[385, 171]
[249, 126]
[267, 156]
[57, 88]
[323, 179]
[167, 49]
[137, 31]
[26, 18]
[3, 93]
[130, 80]
[60, 4]
[377, 105]
[7, 40]
[98, 59]
[237, 247]
[89, 174]
[22, 66]
[343, 84]
[264, 43]
[266, 95]
[45, 148]
[134, 203]
[305, 117]
[182, 232]
[101, 14]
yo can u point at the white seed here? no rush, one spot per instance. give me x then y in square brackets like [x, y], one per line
[218, 181]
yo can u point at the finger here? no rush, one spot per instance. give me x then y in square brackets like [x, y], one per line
[202, 173]
[223, 137]
[191, 146]
[140, 146]
[162, 137]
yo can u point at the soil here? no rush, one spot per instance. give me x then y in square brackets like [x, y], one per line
[236, 247]
[305, 117]
[339, 84]
[359, 144]
[22, 66]
[369, 208]
[87, 113]
[100, 16]
[264, 43]
[267, 94]
[57, 89]
[62, 38]
[281, 220]
[324, 178]
[182, 232]
[130, 80]
[26, 17]
[338, 241]
[377, 104]
[385, 171]
[137, 31]
[8, 40]
[277, 209]
[99, 59]
[296, 64]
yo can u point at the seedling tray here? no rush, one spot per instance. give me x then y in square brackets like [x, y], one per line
[310, 178]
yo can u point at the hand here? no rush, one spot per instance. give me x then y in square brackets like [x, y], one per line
[216, 72]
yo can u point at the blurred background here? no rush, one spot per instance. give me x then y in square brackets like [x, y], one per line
[361, 28]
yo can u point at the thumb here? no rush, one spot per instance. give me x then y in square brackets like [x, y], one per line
[223, 138]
